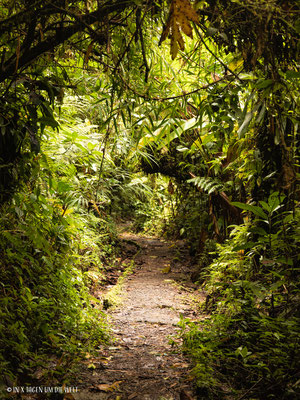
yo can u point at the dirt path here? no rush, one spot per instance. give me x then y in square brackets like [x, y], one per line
[142, 364]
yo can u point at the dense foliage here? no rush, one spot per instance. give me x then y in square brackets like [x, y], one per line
[97, 123]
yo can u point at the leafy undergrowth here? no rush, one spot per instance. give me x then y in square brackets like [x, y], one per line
[48, 262]
[244, 353]
[248, 347]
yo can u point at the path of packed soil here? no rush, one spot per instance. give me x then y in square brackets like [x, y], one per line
[142, 364]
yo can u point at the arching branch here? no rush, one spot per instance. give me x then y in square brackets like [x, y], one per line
[66, 31]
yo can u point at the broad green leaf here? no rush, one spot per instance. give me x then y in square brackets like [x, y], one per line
[243, 128]
[292, 75]
[63, 187]
[263, 83]
[244, 246]
[254, 209]
[265, 206]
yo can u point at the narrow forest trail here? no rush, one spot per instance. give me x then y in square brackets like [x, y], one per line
[142, 364]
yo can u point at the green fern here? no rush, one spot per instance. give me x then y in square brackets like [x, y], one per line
[207, 184]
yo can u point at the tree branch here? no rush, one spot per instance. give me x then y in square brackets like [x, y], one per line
[145, 97]
[9, 68]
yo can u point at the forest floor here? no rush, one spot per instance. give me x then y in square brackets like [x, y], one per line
[142, 364]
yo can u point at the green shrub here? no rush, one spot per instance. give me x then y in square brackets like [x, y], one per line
[249, 346]
[45, 304]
